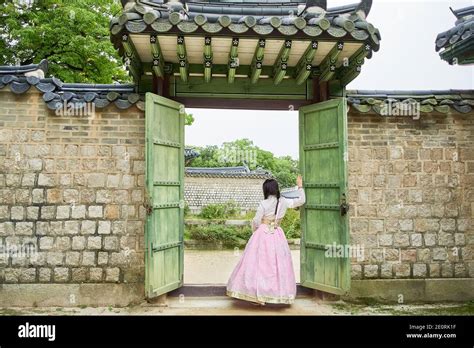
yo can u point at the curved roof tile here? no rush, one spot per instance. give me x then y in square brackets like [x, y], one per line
[459, 40]
[442, 101]
[235, 172]
[56, 93]
[262, 18]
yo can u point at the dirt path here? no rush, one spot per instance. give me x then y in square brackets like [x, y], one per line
[215, 266]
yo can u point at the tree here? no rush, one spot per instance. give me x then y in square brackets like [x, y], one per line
[244, 151]
[72, 35]
[188, 119]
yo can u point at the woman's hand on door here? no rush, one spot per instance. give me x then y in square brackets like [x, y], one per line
[299, 181]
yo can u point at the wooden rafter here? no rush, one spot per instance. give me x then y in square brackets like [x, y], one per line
[304, 66]
[350, 72]
[158, 61]
[218, 69]
[207, 59]
[132, 59]
[327, 67]
[257, 61]
[233, 59]
[182, 58]
[281, 63]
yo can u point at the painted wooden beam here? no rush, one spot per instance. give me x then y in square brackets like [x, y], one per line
[257, 61]
[304, 66]
[233, 59]
[207, 59]
[235, 103]
[327, 67]
[158, 61]
[221, 69]
[132, 59]
[281, 63]
[350, 72]
[182, 58]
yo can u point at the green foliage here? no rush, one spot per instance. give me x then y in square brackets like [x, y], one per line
[284, 169]
[291, 224]
[219, 211]
[187, 210]
[229, 236]
[248, 215]
[73, 35]
[208, 157]
[188, 119]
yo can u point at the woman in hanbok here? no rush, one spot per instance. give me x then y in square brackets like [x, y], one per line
[264, 274]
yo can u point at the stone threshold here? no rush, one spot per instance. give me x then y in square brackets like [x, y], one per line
[121, 295]
[212, 290]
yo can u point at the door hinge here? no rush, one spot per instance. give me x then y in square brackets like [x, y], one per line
[147, 203]
[344, 207]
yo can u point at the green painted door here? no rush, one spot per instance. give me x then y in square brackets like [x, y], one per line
[165, 195]
[324, 219]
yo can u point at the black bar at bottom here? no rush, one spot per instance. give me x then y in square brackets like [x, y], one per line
[245, 330]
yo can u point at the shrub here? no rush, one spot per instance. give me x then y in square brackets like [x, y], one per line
[187, 210]
[291, 224]
[219, 210]
[249, 215]
[229, 236]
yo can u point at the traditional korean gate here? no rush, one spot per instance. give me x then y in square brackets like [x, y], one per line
[324, 220]
[276, 55]
[164, 184]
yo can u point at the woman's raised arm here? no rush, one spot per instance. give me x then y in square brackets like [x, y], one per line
[297, 202]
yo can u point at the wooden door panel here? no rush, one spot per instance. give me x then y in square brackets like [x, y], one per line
[323, 162]
[165, 190]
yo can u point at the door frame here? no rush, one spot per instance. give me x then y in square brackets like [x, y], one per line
[320, 93]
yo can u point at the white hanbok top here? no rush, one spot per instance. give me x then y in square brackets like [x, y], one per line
[266, 208]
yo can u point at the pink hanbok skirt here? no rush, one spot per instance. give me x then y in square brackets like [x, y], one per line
[264, 273]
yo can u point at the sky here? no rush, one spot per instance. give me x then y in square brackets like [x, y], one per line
[407, 60]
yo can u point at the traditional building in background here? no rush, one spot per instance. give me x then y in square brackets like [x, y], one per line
[243, 187]
[456, 45]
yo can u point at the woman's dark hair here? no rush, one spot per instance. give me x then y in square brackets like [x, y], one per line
[271, 188]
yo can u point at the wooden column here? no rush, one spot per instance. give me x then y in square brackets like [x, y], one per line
[161, 85]
[320, 90]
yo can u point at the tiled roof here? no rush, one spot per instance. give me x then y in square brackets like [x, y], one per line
[458, 42]
[25, 70]
[457, 101]
[289, 18]
[235, 172]
[56, 93]
[189, 154]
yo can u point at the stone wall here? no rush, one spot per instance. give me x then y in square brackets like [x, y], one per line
[73, 188]
[200, 191]
[412, 195]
